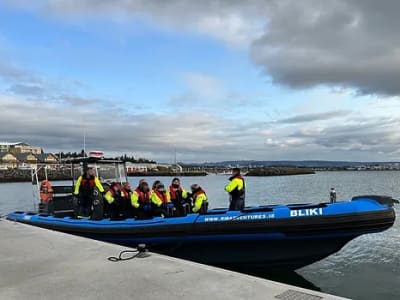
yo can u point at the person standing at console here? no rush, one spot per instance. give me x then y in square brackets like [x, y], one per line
[236, 189]
[84, 188]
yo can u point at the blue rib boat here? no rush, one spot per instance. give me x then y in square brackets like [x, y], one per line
[284, 237]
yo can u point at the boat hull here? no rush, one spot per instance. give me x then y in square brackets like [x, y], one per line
[273, 237]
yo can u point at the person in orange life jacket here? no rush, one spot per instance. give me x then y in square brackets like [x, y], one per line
[160, 198]
[154, 186]
[126, 193]
[179, 197]
[141, 201]
[114, 201]
[199, 197]
[83, 190]
[236, 189]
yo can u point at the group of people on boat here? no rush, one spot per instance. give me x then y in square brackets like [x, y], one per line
[144, 202]
[115, 200]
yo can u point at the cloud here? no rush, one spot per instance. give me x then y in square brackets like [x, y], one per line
[342, 43]
[201, 89]
[195, 136]
[374, 135]
[14, 73]
[315, 117]
[229, 21]
[34, 86]
[336, 43]
[27, 89]
[56, 126]
[209, 93]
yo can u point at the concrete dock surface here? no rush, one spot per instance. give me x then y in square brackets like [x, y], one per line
[37, 263]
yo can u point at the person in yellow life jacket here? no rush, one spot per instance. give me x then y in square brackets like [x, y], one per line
[200, 202]
[179, 197]
[126, 190]
[84, 188]
[113, 196]
[236, 189]
[46, 191]
[161, 199]
[141, 201]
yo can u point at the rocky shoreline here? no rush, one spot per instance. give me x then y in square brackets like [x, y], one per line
[180, 174]
[281, 171]
[18, 175]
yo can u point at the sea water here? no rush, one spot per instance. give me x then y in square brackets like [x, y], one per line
[366, 268]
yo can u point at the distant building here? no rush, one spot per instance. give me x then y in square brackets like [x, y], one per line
[144, 167]
[8, 160]
[27, 160]
[20, 148]
[16, 155]
[47, 158]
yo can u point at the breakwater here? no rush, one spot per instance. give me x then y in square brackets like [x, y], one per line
[281, 171]
[167, 173]
[18, 175]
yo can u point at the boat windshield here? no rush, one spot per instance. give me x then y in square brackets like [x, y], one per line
[107, 170]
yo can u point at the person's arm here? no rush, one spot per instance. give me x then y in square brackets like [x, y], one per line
[77, 185]
[109, 197]
[198, 202]
[231, 185]
[135, 200]
[98, 185]
[184, 193]
[155, 199]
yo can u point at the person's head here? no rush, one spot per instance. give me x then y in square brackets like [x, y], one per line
[235, 171]
[144, 186]
[155, 184]
[90, 172]
[127, 186]
[115, 186]
[176, 182]
[160, 187]
[194, 187]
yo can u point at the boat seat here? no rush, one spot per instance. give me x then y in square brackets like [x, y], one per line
[62, 203]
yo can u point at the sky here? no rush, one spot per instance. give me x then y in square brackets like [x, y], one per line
[203, 80]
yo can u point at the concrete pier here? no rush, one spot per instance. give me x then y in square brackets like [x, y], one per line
[40, 264]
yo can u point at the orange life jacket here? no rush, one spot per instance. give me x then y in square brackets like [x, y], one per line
[173, 193]
[162, 197]
[143, 197]
[46, 191]
[200, 191]
[126, 193]
[88, 183]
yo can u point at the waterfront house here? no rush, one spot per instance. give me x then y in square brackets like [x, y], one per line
[20, 148]
[8, 160]
[47, 158]
[26, 160]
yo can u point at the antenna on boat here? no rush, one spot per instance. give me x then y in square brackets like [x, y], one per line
[175, 166]
[84, 142]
